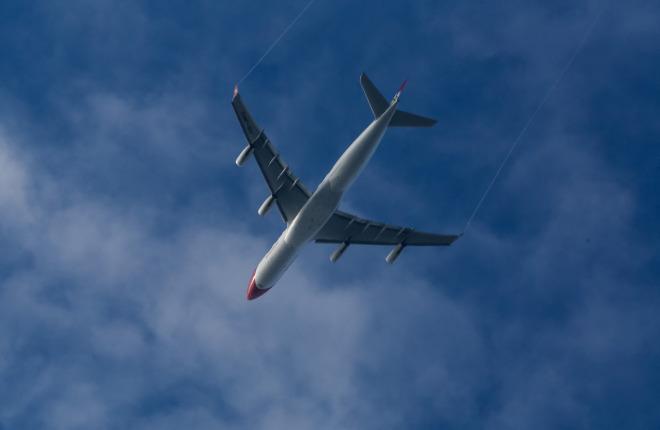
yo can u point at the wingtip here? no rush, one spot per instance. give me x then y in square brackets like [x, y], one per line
[235, 91]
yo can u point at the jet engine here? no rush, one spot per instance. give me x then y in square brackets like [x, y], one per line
[394, 253]
[265, 206]
[339, 252]
[245, 153]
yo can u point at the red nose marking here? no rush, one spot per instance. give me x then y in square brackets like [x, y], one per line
[253, 291]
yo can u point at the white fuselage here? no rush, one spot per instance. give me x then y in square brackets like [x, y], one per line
[322, 204]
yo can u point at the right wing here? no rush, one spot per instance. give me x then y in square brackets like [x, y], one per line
[343, 227]
[287, 190]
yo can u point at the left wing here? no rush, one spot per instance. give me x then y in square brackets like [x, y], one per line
[349, 229]
[286, 189]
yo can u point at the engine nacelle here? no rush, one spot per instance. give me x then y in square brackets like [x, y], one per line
[394, 253]
[245, 153]
[339, 252]
[265, 206]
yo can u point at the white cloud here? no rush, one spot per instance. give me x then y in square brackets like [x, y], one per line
[115, 308]
[113, 315]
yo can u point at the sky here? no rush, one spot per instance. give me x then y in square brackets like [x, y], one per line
[128, 235]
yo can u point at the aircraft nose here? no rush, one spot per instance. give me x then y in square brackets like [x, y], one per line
[253, 291]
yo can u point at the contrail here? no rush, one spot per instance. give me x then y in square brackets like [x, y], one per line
[270, 48]
[517, 140]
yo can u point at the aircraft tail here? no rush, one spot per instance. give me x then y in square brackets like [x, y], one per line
[379, 104]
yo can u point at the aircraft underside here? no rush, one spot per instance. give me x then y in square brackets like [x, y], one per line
[314, 216]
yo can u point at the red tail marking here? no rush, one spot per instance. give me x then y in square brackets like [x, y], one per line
[403, 85]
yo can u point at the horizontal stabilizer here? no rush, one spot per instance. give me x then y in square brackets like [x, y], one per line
[407, 119]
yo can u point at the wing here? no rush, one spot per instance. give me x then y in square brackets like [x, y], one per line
[343, 227]
[288, 192]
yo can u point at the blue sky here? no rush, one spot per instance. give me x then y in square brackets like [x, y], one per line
[128, 235]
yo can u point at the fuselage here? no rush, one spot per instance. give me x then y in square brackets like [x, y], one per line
[320, 206]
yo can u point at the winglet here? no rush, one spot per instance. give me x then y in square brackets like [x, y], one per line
[235, 91]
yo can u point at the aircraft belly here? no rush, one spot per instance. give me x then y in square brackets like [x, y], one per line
[275, 262]
[313, 216]
[358, 154]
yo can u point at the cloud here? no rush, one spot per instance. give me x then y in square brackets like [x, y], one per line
[126, 249]
[116, 314]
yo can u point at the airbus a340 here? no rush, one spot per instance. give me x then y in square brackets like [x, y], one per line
[314, 216]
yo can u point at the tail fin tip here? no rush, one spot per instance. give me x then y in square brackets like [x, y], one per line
[403, 86]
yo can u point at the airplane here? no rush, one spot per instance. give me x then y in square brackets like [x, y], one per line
[314, 216]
